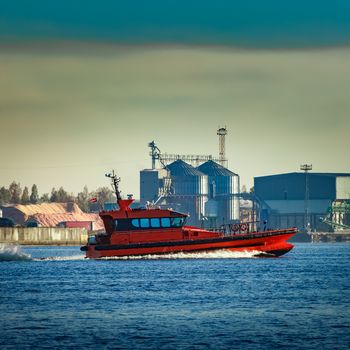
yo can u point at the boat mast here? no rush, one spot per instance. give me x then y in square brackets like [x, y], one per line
[115, 181]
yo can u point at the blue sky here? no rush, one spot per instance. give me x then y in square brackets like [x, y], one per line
[254, 23]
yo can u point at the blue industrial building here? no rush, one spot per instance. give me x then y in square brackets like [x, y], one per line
[207, 193]
[223, 188]
[282, 199]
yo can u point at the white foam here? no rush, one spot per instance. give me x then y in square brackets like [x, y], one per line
[13, 253]
[62, 258]
[217, 254]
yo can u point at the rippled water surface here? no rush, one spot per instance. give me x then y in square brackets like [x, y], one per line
[51, 297]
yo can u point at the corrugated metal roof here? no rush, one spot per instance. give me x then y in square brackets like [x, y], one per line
[181, 168]
[51, 214]
[48, 208]
[212, 168]
[52, 220]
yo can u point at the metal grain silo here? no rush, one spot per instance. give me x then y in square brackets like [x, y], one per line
[226, 186]
[189, 189]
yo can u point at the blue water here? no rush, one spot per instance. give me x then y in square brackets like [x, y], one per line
[297, 301]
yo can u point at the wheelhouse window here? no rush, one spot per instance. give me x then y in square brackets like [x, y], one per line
[144, 223]
[128, 224]
[165, 222]
[135, 223]
[155, 222]
[177, 222]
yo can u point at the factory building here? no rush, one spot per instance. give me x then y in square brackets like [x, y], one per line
[189, 190]
[209, 192]
[223, 188]
[179, 186]
[206, 193]
[318, 200]
[152, 182]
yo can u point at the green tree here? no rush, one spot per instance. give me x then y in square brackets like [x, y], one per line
[15, 191]
[54, 195]
[70, 197]
[5, 196]
[45, 198]
[61, 196]
[34, 196]
[103, 195]
[25, 196]
[83, 199]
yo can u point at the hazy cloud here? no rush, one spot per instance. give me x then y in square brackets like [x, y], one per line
[80, 109]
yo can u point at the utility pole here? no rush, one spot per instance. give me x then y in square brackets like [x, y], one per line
[306, 168]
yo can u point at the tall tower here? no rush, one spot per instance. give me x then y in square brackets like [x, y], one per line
[154, 153]
[306, 168]
[222, 132]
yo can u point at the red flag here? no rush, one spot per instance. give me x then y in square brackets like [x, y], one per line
[93, 200]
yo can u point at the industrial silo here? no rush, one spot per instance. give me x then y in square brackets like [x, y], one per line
[225, 184]
[189, 190]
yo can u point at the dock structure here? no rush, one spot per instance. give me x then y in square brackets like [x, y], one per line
[43, 236]
[337, 236]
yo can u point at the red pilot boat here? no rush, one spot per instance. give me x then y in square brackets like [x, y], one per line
[144, 231]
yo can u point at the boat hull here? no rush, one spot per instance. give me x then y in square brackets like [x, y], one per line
[268, 244]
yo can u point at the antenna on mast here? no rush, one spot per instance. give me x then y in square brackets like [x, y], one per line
[115, 181]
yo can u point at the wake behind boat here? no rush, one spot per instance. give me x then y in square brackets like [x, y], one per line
[144, 231]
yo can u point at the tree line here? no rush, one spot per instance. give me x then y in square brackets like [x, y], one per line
[13, 194]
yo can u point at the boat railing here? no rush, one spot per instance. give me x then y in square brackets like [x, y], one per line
[239, 228]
